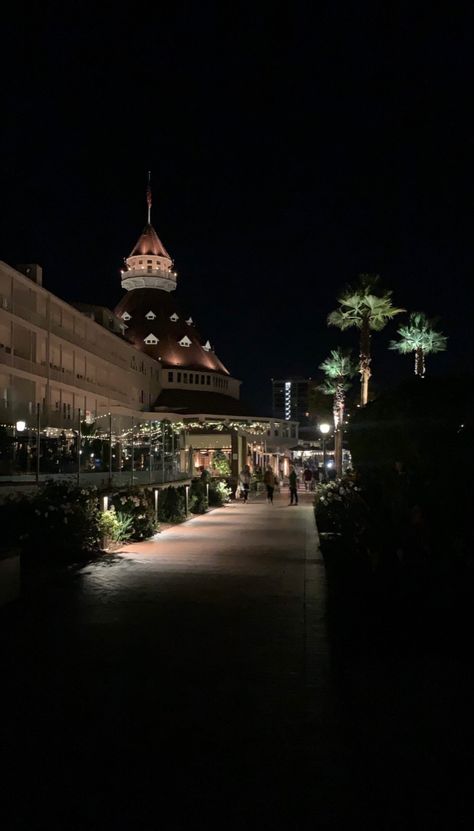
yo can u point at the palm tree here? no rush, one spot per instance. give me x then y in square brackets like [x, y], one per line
[421, 338]
[361, 306]
[339, 368]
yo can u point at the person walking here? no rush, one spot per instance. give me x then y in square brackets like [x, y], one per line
[245, 481]
[293, 483]
[307, 477]
[269, 482]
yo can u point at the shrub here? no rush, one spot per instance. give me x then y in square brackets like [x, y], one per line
[116, 525]
[220, 463]
[58, 520]
[172, 505]
[219, 494]
[197, 497]
[108, 525]
[135, 513]
[340, 508]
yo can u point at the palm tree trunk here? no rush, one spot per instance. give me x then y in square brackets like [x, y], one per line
[364, 362]
[420, 362]
[339, 427]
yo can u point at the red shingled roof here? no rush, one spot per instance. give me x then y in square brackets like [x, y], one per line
[150, 243]
[163, 304]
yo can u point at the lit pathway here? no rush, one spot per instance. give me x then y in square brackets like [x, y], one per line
[192, 672]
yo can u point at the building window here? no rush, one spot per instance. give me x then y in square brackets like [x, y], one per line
[202, 380]
[208, 380]
[190, 377]
[196, 379]
[185, 377]
[179, 377]
[170, 376]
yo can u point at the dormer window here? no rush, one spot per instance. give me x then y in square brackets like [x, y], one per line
[207, 346]
[174, 317]
[150, 315]
[184, 341]
[151, 340]
[126, 316]
[189, 321]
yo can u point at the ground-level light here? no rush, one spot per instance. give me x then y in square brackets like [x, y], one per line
[20, 426]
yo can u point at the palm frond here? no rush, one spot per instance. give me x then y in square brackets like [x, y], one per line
[339, 365]
[419, 334]
[364, 303]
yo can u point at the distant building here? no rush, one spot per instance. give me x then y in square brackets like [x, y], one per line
[134, 394]
[291, 399]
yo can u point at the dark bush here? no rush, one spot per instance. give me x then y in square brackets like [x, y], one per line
[172, 505]
[58, 520]
[197, 497]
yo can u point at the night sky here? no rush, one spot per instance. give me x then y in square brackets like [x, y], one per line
[289, 152]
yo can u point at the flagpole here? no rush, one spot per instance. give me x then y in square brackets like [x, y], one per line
[148, 197]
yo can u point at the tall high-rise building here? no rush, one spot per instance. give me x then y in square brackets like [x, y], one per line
[291, 398]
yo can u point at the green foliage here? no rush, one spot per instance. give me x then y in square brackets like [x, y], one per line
[364, 304]
[197, 497]
[135, 510]
[339, 366]
[420, 337]
[60, 520]
[124, 526]
[339, 508]
[108, 525]
[116, 525]
[219, 494]
[220, 463]
[172, 505]
[419, 334]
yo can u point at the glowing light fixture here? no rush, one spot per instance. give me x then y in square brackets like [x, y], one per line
[20, 426]
[324, 428]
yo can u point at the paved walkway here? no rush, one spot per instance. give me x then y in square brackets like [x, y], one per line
[185, 678]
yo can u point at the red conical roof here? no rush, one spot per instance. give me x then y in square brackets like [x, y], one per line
[150, 243]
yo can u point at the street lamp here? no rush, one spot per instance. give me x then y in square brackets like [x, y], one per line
[324, 429]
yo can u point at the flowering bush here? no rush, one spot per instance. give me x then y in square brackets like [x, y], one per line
[135, 513]
[340, 508]
[60, 519]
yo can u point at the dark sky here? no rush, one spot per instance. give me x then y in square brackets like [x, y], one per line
[289, 152]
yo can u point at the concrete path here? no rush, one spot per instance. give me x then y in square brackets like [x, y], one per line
[187, 679]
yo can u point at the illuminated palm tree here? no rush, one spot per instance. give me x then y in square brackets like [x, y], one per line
[339, 368]
[368, 308]
[419, 337]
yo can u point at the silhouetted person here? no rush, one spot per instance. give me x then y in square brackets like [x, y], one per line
[293, 482]
[269, 482]
[245, 481]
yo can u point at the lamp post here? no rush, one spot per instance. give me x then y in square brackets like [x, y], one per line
[324, 429]
[20, 427]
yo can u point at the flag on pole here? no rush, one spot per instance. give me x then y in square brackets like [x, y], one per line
[148, 195]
